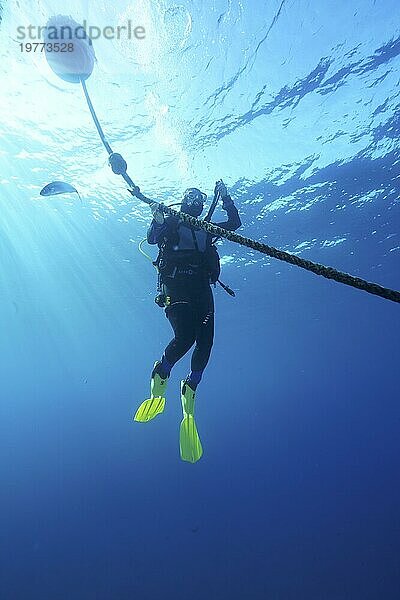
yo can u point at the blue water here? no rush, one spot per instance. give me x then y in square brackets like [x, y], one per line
[297, 106]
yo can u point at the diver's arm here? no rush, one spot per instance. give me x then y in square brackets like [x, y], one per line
[158, 227]
[162, 227]
[233, 221]
[156, 232]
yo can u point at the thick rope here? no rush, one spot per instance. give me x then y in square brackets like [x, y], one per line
[308, 265]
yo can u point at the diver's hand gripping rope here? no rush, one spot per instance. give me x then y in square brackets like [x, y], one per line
[119, 167]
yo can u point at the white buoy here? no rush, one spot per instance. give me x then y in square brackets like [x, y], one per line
[69, 50]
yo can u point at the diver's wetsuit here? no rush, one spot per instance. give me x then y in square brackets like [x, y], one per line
[189, 263]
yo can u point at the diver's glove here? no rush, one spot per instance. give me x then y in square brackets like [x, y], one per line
[220, 188]
[158, 214]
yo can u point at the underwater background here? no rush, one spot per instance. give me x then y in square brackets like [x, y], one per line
[296, 105]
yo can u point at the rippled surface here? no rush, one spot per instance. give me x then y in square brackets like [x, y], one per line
[296, 106]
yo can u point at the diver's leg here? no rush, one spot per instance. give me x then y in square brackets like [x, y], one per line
[180, 315]
[204, 338]
[182, 319]
[189, 440]
[162, 367]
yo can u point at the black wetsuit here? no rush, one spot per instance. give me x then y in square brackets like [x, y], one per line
[189, 263]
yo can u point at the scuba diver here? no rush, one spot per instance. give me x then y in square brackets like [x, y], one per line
[187, 263]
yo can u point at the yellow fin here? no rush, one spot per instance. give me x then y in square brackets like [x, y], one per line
[189, 441]
[149, 409]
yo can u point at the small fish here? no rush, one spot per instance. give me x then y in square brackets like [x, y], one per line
[58, 187]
